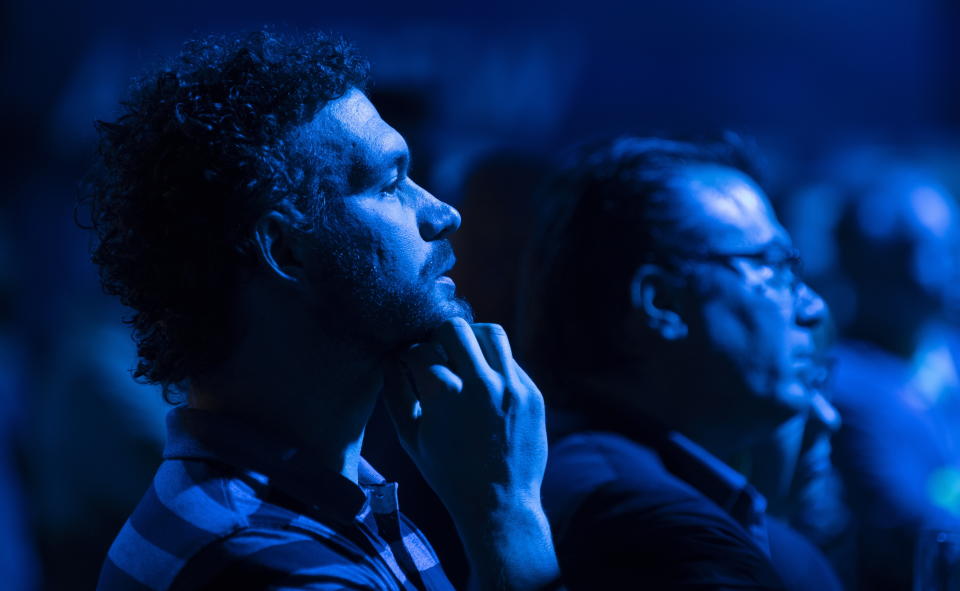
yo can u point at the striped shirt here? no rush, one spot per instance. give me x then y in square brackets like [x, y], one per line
[231, 508]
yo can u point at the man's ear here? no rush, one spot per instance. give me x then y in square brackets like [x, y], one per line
[277, 246]
[655, 296]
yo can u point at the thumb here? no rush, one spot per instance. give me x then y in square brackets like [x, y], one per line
[401, 402]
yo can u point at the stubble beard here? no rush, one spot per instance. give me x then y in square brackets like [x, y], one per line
[378, 313]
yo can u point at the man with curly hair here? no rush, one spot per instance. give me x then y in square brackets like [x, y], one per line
[256, 214]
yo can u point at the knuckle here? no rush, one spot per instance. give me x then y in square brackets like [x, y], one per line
[448, 327]
[495, 383]
[491, 329]
[537, 402]
[530, 398]
[512, 387]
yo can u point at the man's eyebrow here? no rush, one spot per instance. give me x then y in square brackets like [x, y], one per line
[778, 247]
[401, 159]
[364, 173]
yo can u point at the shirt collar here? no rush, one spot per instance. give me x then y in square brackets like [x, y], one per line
[194, 434]
[681, 456]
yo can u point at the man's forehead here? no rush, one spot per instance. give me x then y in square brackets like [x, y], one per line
[727, 209]
[350, 129]
[353, 113]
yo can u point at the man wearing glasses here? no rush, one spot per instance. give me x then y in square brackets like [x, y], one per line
[664, 304]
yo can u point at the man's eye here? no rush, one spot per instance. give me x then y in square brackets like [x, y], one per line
[786, 273]
[766, 272]
[392, 188]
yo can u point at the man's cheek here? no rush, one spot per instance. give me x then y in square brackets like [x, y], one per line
[394, 261]
[730, 329]
[369, 246]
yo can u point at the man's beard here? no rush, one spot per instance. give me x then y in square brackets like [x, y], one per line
[373, 311]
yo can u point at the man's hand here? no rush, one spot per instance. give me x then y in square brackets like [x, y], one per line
[473, 422]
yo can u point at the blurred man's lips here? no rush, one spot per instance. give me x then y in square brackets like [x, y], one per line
[803, 366]
[445, 280]
[811, 369]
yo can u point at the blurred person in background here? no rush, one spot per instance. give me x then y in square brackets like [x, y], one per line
[256, 213]
[85, 394]
[19, 564]
[664, 304]
[882, 235]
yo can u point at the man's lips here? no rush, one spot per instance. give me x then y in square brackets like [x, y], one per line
[440, 262]
[446, 267]
[442, 276]
[804, 354]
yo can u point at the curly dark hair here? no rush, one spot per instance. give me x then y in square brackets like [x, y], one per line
[202, 148]
[608, 209]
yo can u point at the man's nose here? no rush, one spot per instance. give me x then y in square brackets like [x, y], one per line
[811, 309]
[436, 219]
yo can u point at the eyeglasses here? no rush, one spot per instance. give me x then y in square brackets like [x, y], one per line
[776, 267]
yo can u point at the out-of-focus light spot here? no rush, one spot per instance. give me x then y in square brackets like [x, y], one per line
[944, 489]
[931, 208]
[933, 375]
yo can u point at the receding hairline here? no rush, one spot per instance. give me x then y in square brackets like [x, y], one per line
[713, 203]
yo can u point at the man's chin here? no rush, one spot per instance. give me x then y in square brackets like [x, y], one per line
[445, 310]
[456, 308]
[432, 317]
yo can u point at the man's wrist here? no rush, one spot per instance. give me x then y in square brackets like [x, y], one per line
[510, 547]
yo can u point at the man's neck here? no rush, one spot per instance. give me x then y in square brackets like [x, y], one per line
[319, 399]
[657, 396]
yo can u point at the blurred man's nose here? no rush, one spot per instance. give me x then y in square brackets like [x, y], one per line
[811, 309]
[436, 219]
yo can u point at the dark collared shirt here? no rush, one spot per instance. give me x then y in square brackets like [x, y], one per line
[635, 505]
[231, 508]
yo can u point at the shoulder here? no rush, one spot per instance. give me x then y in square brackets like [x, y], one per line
[198, 518]
[595, 458]
[612, 474]
[191, 503]
[620, 518]
[187, 506]
[259, 558]
[593, 466]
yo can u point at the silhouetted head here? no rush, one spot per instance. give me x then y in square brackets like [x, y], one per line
[256, 164]
[661, 269]
[884, 238]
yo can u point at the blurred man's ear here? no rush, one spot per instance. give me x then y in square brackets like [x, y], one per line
[656, 302]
